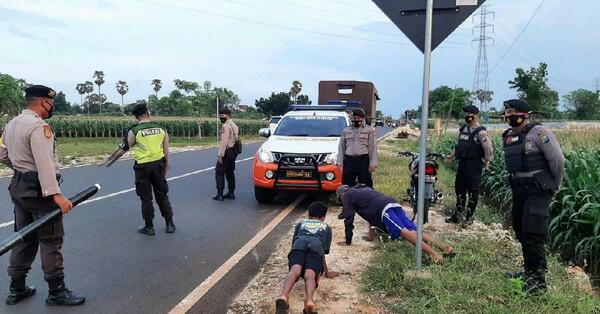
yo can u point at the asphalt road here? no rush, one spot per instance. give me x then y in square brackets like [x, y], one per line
[121, 271]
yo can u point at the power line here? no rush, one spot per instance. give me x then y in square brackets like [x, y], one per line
[481, 83]
[322, 11]
[520, 34]
[198, 11]
[354, 6]
[265, 9]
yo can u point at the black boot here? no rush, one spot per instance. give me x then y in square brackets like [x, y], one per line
[229, 195]
[218, 196]
[19, 291]
[452, 219]
[147, 229]
[535, 282]
[60, 295]
[170, 226]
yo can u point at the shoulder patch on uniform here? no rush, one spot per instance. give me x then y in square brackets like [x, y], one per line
[47, 131]
[544, 135]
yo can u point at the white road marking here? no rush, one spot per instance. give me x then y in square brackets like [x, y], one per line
[103, 197]
[191, 299]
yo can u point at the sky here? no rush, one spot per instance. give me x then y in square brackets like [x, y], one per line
[258, 47]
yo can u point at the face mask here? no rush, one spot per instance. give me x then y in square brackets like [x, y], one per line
[468, 119]
[50, 112]
[357, 123]
[223, 120]
[515, 121]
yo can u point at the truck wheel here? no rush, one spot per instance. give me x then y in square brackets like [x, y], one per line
[263, 196]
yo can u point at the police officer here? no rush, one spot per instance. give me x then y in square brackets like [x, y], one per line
[473, 151]
[28, 148]
[535, 166]
[226, 156]
[150, 145]
[357, 152]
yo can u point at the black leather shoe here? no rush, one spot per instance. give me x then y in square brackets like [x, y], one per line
[170, 227]
[16, 295]
[64, 296]
[147, 230]
[229, 196]
[218, 197]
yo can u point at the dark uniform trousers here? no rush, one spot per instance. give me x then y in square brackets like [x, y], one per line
[29, 206]
[356, 167]
[150, 177]
[224, 170]
[467, 183]
[531, 211]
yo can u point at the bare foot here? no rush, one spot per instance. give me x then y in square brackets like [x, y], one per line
[437, 259]
[310, 307]
[448, 250]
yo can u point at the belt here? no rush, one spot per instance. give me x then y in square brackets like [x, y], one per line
[356, 157]
[31, 176]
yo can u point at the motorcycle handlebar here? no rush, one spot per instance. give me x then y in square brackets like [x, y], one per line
[429, 155]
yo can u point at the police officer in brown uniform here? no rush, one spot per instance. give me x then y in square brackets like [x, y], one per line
[535, 165]
[357, 152]
[28, 148]
[226, 156]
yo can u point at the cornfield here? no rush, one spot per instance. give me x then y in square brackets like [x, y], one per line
[117, 127]
[575, 212]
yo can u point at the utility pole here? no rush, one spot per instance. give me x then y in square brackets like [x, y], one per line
[481, 83]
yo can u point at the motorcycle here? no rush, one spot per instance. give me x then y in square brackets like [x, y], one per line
[432, 196]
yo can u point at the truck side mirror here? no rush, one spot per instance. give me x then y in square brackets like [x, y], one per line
[264, 132]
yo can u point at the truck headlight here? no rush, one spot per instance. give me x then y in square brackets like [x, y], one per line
[331, 158]
[265, 156]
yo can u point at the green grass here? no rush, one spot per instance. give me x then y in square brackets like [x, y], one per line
[472, 282]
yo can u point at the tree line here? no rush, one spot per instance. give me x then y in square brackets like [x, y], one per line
[531, 85]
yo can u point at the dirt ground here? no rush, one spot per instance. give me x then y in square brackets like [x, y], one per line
[338, 295]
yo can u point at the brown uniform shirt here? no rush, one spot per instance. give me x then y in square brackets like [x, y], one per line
[358, 141]
[229, 133]
[28, 145]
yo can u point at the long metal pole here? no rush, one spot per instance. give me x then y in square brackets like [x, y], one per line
[423, 135]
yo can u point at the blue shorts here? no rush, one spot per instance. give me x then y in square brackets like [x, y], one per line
[394, 219]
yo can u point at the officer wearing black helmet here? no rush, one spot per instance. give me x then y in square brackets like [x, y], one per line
[535, 165]
[473, 151]
[357, 152]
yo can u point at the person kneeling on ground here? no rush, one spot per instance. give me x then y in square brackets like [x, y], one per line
[383, 212]
[310, 244]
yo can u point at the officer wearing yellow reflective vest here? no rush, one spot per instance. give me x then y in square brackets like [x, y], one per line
[150, 145]
[535, 165]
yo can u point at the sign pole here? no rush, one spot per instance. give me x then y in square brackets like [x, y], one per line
[423, 135]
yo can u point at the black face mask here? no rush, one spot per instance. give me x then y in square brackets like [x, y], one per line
[50, 112]
[223, 120]
[357, 123]
[468, 119]
[515, 121]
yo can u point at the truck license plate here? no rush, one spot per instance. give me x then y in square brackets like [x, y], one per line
[298, 174]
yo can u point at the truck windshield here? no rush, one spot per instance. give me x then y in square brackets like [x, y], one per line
[312, 126]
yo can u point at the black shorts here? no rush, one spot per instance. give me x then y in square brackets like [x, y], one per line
[308, 260]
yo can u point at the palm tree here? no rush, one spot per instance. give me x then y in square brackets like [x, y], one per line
[81, 90]
[295, 90]
[122, 89]
[89, 88]
[99, 80]
[157, 85]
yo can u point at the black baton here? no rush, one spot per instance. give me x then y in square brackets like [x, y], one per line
[80, 197]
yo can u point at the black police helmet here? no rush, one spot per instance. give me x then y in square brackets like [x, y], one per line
[518, 105]
[471, 109]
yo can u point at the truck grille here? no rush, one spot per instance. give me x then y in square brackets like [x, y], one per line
[319, 157]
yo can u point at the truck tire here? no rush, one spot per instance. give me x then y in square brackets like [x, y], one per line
[263, 196]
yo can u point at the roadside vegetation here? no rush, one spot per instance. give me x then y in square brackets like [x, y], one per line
[473, 281]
